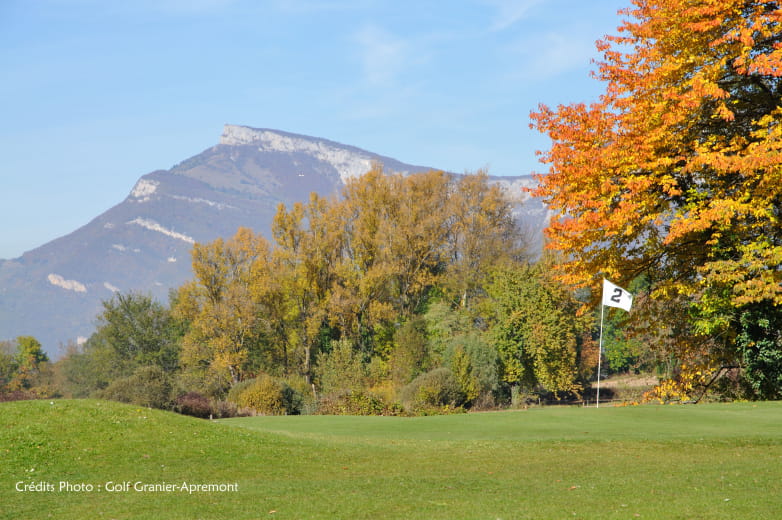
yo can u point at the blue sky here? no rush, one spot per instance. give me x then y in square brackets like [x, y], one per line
[96, 93]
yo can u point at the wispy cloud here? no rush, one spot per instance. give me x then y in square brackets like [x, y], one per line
[562, 53]
[383, 55]
[553, 53]
[510, 11]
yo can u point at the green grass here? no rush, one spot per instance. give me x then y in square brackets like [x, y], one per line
[654, 462]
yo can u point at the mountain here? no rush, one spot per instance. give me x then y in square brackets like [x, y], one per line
[54, 292]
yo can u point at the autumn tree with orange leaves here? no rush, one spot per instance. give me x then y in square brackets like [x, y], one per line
[676, 174]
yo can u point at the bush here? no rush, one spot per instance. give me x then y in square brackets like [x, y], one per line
[342, 369]
[237, 389]
[266, 395]
[202, 380]
[461, 366]
[356, 403]
[147, 386]
[194, 404]
[435, 389]
[17, 395]
[223, 409]
[302, 399]
[199, 405]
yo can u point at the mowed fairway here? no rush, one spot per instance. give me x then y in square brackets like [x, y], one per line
[655, 462]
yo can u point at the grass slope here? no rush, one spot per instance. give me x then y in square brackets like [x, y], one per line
[699, 462]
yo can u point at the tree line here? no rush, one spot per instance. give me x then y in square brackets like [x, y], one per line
[404, 292]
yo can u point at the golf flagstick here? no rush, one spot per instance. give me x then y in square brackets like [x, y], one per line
[613, 296]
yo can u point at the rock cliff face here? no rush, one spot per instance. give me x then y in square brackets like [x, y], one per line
[347, 161]
[143, 243]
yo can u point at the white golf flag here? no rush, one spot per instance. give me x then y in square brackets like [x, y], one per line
[615, 296]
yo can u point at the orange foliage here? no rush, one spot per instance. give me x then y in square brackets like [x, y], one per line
[681, 156]
[676, 172]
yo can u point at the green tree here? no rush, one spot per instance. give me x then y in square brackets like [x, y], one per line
[458, 343]
[29, 360]
[535, 328]
[138, 330]
[148, 385]
[133, 331]
[89, 367]
[759, 344]
[7, 363]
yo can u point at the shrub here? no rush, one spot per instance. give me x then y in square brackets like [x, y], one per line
[223, 409]
[147, 386]
[485, 401]
[199, 405]
[237, 389]
[302, 399]
[357, 403]
[194, 404]
[341, 370]
[17, 395]
[434, 389]
[266, 395]
[474, 364]
[202, 380]
[461, 366]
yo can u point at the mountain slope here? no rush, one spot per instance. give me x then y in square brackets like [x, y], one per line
[143, 243]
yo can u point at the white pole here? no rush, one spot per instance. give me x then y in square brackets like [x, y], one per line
[600, 355]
